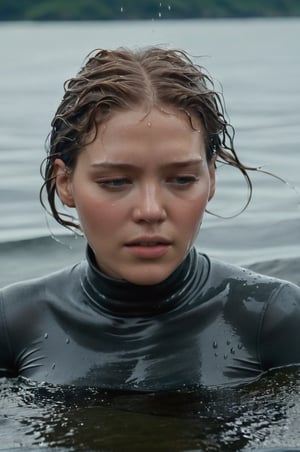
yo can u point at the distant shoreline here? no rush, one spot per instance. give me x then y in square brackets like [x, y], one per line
[62, 20]
[170, 19]
[79, 10]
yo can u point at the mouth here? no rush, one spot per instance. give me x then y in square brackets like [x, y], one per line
[147, 243]
[149, 248]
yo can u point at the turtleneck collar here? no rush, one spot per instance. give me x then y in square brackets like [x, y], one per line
[120, 297]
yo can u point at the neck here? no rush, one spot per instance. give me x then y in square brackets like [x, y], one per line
[119, 297]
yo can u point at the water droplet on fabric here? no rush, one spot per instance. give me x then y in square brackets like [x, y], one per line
[232, 351]
[240, 346]
[67, 340]
[215, 344]
[225, 356]
[46, 335]
[53, 366]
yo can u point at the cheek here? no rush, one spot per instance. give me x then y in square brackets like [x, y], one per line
[98, 216]
[190, 214]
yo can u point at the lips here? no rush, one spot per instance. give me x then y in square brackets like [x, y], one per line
[148, 247]
[148, 241]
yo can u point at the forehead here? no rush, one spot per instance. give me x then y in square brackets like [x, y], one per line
[141, 115]
[163, 133]
[146, 123]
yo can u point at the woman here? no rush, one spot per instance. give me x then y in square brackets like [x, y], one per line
[133, 150]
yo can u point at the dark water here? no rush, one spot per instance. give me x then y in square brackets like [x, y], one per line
[264, 414]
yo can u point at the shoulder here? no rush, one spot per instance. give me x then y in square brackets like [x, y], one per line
[280, 328]
[244, 290]
[259, 305]
[258, 284]
[283, 311]
[38, 289]
[239, 279]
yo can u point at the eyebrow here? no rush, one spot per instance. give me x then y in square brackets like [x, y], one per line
[180, 164]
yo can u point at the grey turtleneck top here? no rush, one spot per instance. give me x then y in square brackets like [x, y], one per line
[209, 323]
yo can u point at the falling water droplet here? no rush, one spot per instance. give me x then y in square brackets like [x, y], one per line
[122, 9]
[159, 15]
[169, 7]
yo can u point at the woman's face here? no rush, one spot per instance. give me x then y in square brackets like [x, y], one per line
[140, 190]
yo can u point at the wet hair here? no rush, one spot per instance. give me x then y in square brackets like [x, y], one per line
[122, 79]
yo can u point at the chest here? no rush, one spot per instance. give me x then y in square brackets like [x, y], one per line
[165, 352]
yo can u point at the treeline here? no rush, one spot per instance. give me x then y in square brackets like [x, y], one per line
[144, 9]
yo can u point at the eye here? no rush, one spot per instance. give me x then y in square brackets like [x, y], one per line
[114, 184]
[183, 181]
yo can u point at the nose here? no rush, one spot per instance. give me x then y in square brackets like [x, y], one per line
[149, 206]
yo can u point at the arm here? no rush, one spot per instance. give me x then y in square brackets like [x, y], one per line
[280, 331]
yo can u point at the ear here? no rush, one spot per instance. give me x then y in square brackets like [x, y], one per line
[63, 178]
[212, 176]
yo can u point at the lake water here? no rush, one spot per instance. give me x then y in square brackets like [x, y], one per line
[257, 64]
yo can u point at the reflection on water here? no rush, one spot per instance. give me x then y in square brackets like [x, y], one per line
[264, 414]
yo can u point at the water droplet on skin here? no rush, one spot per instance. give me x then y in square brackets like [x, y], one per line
[215, 344]
[149, 124]
[46, 335]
